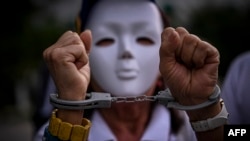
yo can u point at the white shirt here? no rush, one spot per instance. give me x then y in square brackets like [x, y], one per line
[101, 132]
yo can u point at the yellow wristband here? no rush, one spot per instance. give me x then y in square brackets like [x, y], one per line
[67, 131]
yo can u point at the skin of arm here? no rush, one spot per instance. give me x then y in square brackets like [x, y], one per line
[189, 67]
[67, 61]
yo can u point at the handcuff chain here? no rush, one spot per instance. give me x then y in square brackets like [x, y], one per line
[132, 99]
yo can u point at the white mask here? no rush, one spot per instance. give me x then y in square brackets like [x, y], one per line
[124, 57]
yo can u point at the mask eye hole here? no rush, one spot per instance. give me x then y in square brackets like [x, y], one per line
[105, 42]
[145, 41]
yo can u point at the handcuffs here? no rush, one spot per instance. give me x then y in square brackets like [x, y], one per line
[104, 100]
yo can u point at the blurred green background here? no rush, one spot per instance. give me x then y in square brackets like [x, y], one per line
[30, 26]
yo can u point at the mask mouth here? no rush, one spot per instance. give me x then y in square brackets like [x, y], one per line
[127, 69]
[127, 74]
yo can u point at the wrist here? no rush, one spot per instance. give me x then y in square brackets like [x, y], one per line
[68, 115]
[204, 113]
[71, 116]
[67, 131]
[212, 93]
[73, 94]
[210, 123]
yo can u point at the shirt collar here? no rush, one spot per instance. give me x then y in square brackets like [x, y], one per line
[157, 130]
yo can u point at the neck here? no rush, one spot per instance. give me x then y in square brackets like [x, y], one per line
[128, 121]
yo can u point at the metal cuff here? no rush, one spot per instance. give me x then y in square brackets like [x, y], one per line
[165, 97]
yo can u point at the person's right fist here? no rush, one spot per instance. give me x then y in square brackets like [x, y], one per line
[68, 63]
